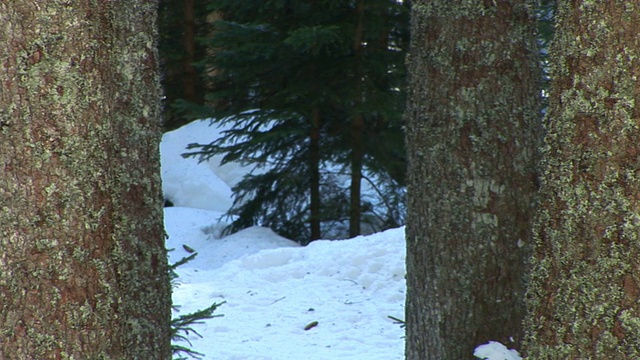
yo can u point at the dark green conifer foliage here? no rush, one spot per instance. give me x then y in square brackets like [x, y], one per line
[303, 84]
[545, 13]
[180, 23]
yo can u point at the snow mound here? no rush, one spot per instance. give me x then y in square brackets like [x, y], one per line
[494, 350]
[188, 183]
[200, 231]
[349, 287]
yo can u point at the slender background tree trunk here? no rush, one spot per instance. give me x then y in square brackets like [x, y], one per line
[472, 120]
[357, 127]
[83, 268]
[190, 81]
[314, 167]
[355, 189]
[583, 296]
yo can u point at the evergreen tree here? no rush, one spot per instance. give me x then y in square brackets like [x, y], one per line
[546, 11]
[180, 23]
[373, 97]
[303, 85]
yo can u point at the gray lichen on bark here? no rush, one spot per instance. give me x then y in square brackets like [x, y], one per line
[472, 132]
[83, 260]
[583, 297]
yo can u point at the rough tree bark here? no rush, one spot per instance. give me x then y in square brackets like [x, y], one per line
[83, 268]
[583, 296]
[472, 129]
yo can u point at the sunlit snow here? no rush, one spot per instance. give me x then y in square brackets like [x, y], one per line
[274, 288]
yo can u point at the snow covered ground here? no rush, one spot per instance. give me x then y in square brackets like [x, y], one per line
[328, 300]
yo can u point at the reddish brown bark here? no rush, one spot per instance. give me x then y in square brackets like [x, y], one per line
[83, 270]
[471, 135]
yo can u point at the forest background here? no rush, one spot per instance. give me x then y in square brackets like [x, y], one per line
[316, 97]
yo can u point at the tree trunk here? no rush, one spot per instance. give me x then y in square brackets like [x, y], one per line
[357, 154]
[357, 127]
[472, 128]
[83, 268]
[190, 80]
[583, 296]
[314, 167]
